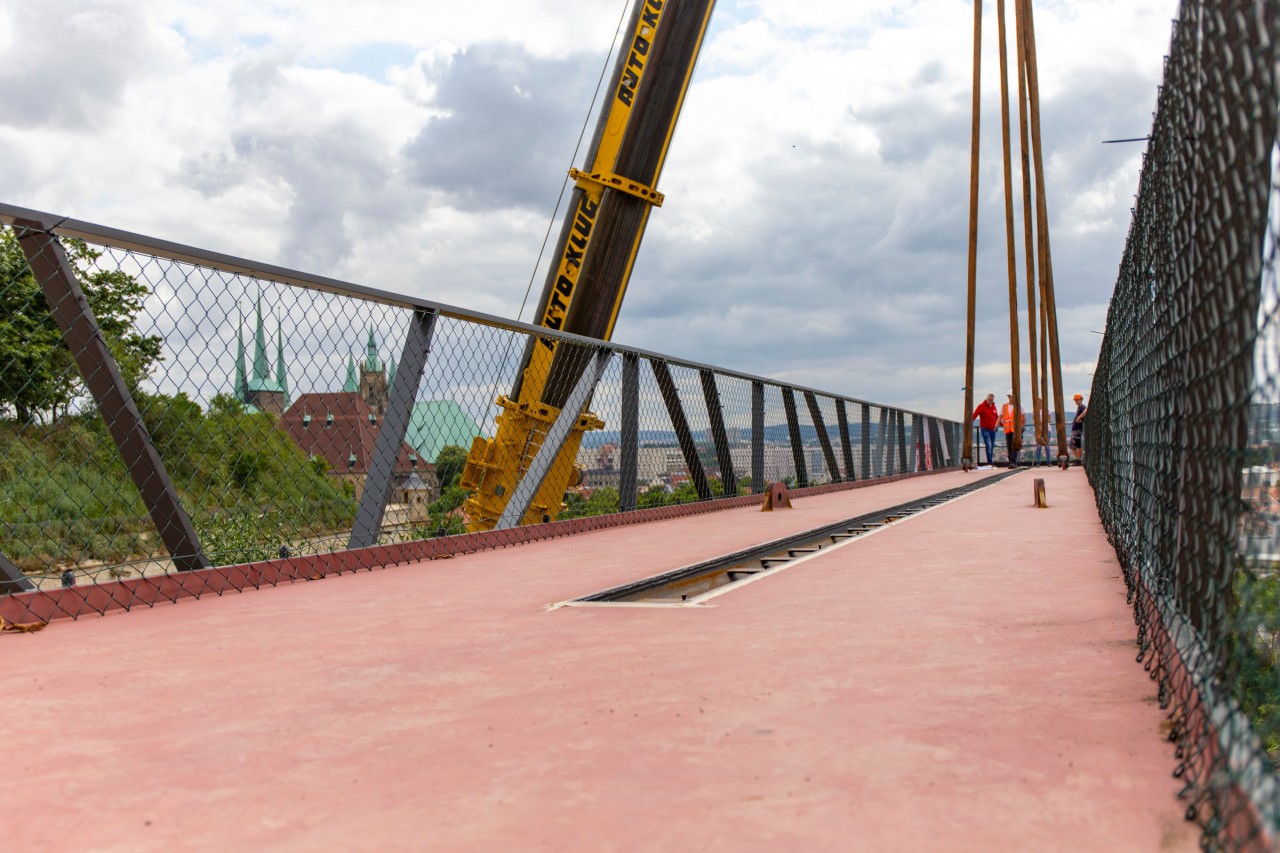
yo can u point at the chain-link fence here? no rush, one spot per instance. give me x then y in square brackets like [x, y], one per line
[1181, 433]
[165, 412]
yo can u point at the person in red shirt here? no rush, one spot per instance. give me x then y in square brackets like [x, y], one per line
[988, 419]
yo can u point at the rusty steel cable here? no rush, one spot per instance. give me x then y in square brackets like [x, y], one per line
[972, 291]
[1011, 251]
[1028, 232]
[1036, 237]
[1027, 30]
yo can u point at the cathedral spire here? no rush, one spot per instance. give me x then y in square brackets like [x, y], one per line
[352, 383]
[241, 391]
[261, 368]
[281, 376]
[371, 364]
[391, 374]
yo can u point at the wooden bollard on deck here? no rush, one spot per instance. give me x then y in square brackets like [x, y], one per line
[776, 497]
[1037, 493]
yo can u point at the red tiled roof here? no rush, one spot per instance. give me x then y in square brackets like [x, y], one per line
[351, 432]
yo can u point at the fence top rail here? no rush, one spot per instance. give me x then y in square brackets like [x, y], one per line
[115, 238]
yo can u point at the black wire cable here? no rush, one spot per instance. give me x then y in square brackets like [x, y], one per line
[586, 120]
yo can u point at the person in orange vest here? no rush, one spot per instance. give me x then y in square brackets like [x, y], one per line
[1012, 420]
[988, 418]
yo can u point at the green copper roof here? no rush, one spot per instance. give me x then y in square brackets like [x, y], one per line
[261, 370]
[260, 379]
[438, 423]
[282, 378]
[240, 377]
[371, 363]
[353, 383]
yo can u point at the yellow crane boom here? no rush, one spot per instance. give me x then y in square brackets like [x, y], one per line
[596, 250]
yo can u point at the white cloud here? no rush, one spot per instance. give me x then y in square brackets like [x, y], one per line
[817, 186]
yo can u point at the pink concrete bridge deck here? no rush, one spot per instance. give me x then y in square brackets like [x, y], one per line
[964, 680]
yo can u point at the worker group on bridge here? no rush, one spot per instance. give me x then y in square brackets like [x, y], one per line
[1012, 421]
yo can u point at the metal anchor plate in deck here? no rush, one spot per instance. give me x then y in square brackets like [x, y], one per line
[695, 584]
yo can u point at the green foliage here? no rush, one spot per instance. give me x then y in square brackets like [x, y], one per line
[685, 493]
[602, 502]
[449, 464]
[652, 497]
[225, 404]
[1255, 650]
[231, 537]
[38, 377]
[65, 494]
[444, 518]
[1260, 456]
[246, 469]
[656, 496]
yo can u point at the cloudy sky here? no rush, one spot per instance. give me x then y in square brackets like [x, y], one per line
[817, 188]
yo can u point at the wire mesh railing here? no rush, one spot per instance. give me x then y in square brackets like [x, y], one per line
[166, 411]
[1181, 442]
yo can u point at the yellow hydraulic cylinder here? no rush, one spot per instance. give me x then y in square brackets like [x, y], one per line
[495, 466]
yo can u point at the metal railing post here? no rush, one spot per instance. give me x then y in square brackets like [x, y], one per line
[824, 440]
[12, 579]
[846, 446]
[866, 441]
[71, 311]
[629, 438]
[675, 409]
[793, 430]
[890, 438]
[395, 423]
[917, 444]
[882, 448]
[902, 442]
[728, 482]
[757, 437]
[935, 441]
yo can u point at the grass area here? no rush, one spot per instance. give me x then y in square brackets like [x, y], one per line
[66, 497]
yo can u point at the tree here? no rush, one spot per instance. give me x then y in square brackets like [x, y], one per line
[603, 501]
[225, 405]
[246, 469]
[444, 518]
[38, 377]
[575, 506]
[449, 464]
[652, 497]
